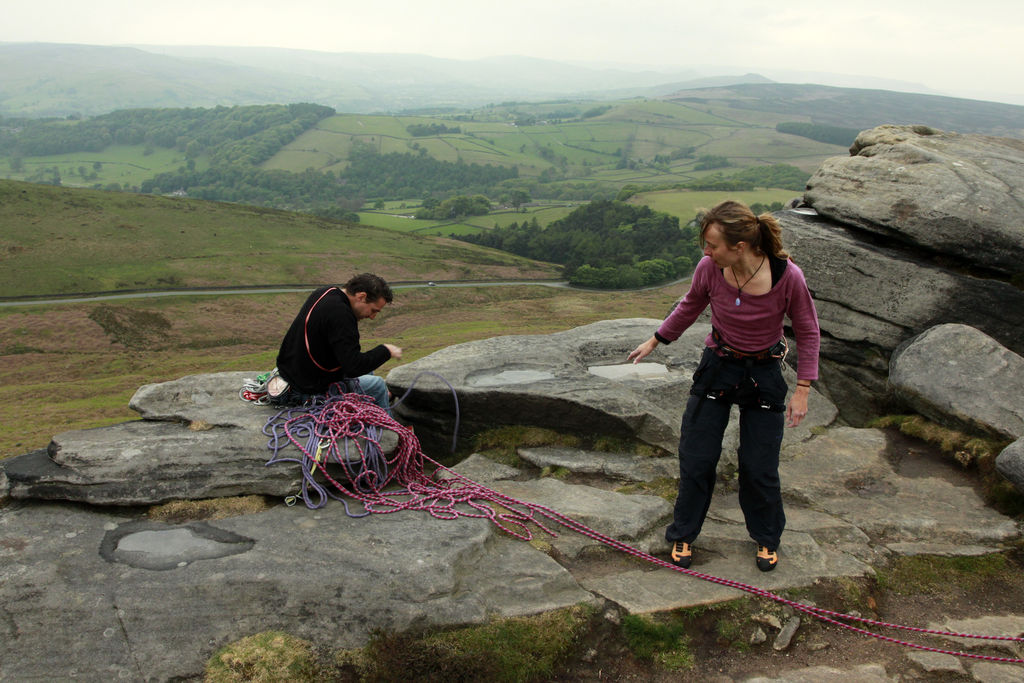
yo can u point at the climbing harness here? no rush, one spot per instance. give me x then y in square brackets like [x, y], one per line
[342, 432]
[746, 393]
[776, 352]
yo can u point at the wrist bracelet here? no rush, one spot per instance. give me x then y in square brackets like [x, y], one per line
[801, 384]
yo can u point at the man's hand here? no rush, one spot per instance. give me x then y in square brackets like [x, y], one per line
[396, 352]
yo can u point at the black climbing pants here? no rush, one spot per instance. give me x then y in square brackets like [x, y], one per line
[700, 446]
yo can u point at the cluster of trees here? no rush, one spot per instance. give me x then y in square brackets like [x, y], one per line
[420, 130]
[605, 244]
[708, 162]
[453, 207]
[833, 135]
[368, 174]
[404, 175]
[782, 176]
[283, 189]
[596, 111]
[193, 131]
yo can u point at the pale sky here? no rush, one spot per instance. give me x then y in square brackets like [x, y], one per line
[964, 48]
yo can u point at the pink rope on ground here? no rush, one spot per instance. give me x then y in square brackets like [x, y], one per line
[352, 417]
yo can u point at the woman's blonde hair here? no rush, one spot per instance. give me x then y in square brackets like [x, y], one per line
[739, 224]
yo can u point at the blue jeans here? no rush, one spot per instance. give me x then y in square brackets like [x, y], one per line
[700, 447]
[376, 388]
[370, 385]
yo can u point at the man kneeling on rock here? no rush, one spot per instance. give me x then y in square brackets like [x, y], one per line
[322, 345]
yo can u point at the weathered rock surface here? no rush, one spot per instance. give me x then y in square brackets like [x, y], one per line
[870, 299]
[69, 610]
[862, 673]
[960, 196]
[1010, 464]
[831, 471]
[980, 385]
[620, 466]
[898, 226]
[575, 381]
[103, 592]
[197, 440]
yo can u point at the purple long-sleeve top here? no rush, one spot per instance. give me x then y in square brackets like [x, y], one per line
[757, 322]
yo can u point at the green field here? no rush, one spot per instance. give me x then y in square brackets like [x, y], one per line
[399, 219]
[686, 204]
[57, 240]
[639, 141]
[589, 149]
[126, 165]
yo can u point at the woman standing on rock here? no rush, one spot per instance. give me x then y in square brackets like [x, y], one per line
[751, 285]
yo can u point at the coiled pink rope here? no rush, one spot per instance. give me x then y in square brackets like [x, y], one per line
[325, 432]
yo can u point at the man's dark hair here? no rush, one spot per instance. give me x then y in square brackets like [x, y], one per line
[374, 286]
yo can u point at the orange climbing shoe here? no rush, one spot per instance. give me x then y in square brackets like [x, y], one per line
[682, 554]
[766, 559]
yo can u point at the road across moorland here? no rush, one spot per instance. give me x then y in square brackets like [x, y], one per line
[111, 296]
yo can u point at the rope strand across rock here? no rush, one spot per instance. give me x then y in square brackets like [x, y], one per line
[345, 430]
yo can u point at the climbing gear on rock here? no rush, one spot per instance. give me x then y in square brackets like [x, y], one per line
[255, 390]
[767, 559]
[682, 554]
[328, 432]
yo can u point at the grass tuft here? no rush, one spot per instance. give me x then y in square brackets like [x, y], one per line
[264, 657]
[932, 574]
[181, 511]
[519, 649]
[665, 642]
[664, 487]
[500, 444]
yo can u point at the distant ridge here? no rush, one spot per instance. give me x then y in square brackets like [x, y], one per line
[862, 108]
[60, 80]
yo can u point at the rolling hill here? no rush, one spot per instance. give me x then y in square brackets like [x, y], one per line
[60, 241]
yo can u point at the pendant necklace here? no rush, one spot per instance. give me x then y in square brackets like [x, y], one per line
[739, 287]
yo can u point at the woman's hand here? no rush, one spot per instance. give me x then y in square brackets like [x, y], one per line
[642, 351]
[796, 411]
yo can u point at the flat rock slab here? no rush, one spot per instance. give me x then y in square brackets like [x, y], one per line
[621, 466]
[198, 440]
[623, 517]
[862, 673]
[845, 473]
[77, 598]
[724, 551]
[1006, 624]
[577, 381]
[210, 399]
[547, 379]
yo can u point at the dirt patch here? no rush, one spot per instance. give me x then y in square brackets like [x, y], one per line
[131, 327]
[719, 638]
